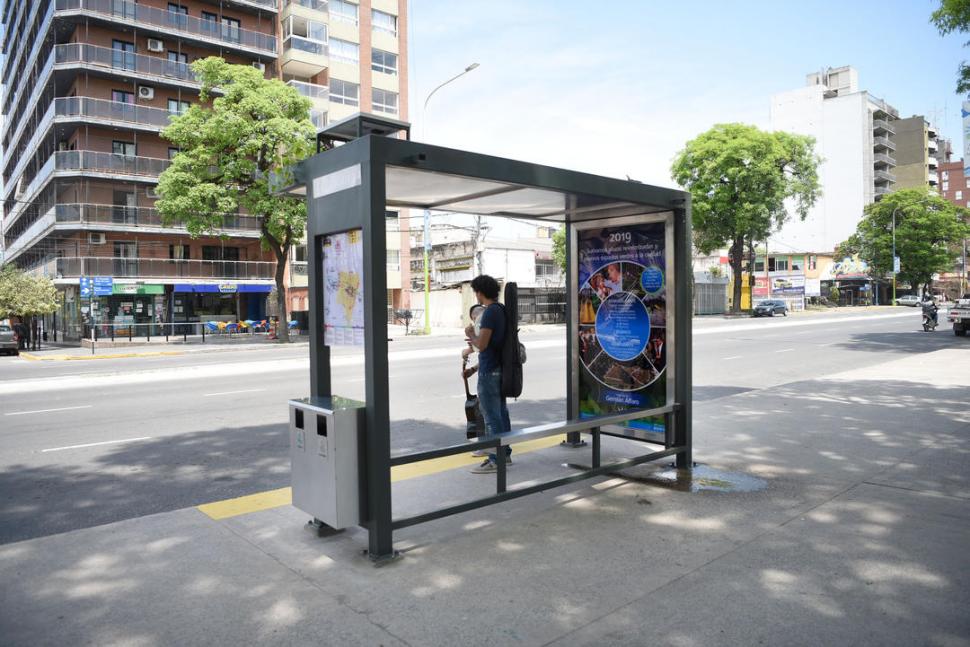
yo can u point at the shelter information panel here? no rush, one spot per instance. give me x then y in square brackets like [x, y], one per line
[622, 321]
[343, 288]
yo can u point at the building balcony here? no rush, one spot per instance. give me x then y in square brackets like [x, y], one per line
[884, 176]
[318, 94]
[122, 63]
[265, 5]
[99, 162]
[105, 217]
[881, 190]
[304, 57]
[932, 145]
[153, 268]
[932, 162]
[933, 178]
[315, 5]
[172, 23]
[883, 159]
[881, 126]
[111, 112]
[881, 142]
[298, 274]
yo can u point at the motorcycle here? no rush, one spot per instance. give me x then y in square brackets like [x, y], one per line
[930, 320]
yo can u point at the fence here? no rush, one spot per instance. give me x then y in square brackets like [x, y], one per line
[542, 305]
[196, 331]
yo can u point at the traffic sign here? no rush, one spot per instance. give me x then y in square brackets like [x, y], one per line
[895, 265]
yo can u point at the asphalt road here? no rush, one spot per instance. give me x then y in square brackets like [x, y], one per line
[87, 443]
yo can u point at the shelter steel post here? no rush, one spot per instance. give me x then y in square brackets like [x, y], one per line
[682, 330]
[573, 439]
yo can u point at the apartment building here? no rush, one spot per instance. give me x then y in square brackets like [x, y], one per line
[87, 87]
[350, 57]
[917, 150]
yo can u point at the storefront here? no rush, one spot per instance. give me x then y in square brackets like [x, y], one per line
[226, 301]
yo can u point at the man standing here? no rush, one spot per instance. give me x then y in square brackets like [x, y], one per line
[488, 342]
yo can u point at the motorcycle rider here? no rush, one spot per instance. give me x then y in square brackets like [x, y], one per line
[929, 312]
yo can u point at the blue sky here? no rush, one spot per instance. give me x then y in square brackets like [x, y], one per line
[617, 87]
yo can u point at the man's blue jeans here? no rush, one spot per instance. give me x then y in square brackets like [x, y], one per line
[494, 410]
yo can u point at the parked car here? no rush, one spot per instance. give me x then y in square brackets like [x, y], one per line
[8, 340]
[909, 300]
[770, 308]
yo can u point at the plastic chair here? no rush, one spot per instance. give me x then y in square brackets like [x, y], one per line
[293, 324]
[211, 326]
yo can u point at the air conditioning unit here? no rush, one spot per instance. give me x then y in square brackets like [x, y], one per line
[155, 45]
[146, 92]
[260, 66]
[96, 239]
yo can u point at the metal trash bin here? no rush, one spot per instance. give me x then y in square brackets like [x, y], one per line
[325, 436]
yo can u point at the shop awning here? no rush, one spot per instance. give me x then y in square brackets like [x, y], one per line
[223, 288]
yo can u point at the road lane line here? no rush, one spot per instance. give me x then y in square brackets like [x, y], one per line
[724, 359]
[107, 442]
[206, 395]
[284, 496]
[785, 350]
[24, 413]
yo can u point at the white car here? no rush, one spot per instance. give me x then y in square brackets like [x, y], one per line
[909, 300]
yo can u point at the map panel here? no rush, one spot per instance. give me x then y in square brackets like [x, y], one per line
[343, 288]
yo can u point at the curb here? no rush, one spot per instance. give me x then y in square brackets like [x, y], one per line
[64, 358]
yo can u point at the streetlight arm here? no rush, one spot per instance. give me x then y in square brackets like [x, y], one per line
[457, 76]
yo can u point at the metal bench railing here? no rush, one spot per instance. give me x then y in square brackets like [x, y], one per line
[590, 426]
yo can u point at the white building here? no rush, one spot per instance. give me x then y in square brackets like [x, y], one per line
[854, 136]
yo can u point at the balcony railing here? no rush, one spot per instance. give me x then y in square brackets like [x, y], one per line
[109, 163]
[122, 61]
[932, 162]
[883, 142]
[884, 176]
[882, 190]
[174, 22]
[111, 111]
[319, 118]
[882, 158]
[311, 90]
[316, 5]
[305, 45]
[104, 214]
[881, 125]
[269, 4]
[933, 178]
[155, 268]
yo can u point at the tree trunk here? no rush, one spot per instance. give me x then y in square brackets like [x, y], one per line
[282, 328]
[735, 257]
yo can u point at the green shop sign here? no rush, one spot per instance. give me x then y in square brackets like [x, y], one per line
[136, 288]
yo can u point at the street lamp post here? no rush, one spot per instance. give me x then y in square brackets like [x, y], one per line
[894, 254]
[427, 214]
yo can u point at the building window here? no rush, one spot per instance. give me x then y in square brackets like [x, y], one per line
[381, 61]
[172, 152]
[393, 260]
[299, 253]
[385, 101]
[968, 183]
[127, 149]
[178, 15]
[122, 96]
[344, 92]
[231, 30]
[177, 107]
[759, 264]
[946, 186]
[344, 50]
[959, 195]
[812, 262]
[781, 264]
[345, 11]
[178, 57]
[179, 252]
[384, 22]
[122, 55]
[797, 263]
[946, 175]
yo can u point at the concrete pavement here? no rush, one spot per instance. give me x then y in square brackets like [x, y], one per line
[858, 536]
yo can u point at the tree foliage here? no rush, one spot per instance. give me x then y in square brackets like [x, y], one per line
[928, 231]
[254, 127]
[22, 295]
[740, 179]
[954, 16]
[559, 248]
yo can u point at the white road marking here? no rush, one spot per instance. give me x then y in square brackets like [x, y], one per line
[724, 359]
[107, 442]
[784, 350]
[24, 413]
[820, 320]
[206, 395]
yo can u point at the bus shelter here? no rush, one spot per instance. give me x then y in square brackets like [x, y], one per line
[628, 343]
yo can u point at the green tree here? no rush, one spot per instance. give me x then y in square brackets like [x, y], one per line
[928, 232]
[253, 128]
[739, 178]
[954, 16]
[559, 248]
[22, 295]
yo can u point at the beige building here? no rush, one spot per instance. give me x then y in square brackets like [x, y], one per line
[917, 154]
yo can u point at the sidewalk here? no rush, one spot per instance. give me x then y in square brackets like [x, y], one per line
[851, 529]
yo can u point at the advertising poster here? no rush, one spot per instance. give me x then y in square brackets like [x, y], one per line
[790, 285]
[343, 288]
[622, 309]
[760, 287]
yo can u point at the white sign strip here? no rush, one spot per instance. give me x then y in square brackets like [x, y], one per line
[345, 178]
[107, 442]
[24, 413]
[206, 395]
